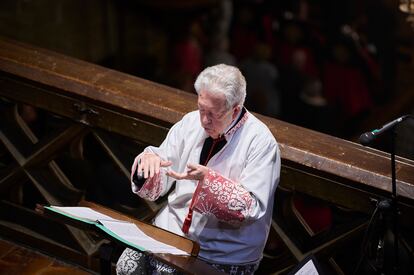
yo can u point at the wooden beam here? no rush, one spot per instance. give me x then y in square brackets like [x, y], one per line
[160, 105]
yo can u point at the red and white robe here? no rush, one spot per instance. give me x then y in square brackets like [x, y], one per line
[231, 208]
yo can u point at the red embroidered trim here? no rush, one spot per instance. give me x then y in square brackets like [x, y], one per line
[189, 217]
[232, 204]
[151, 189]
[227, 200]
[237, 126]
[187, 221]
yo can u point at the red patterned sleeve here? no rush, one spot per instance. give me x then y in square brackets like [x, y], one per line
[151, 189]
[228, 201]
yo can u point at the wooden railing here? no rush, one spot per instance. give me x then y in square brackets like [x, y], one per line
[89, 121]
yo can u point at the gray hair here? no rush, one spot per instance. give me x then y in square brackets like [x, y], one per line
[224, 79]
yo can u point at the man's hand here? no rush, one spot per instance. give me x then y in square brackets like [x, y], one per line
[194, 172]
[149, 164]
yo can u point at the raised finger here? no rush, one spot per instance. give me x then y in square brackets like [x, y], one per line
[157, 167]
[165, 163]
[192, 166]
[154, 162]
[148, 167]
[175, 175]
[134, 165]
[144, 167]
[139, 169]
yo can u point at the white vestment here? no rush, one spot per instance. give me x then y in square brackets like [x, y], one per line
[233, 204]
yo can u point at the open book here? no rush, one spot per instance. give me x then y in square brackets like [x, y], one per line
[124, 231]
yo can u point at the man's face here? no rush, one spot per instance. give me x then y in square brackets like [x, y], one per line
[214, 115]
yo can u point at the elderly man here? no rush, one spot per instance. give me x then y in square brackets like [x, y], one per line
[226, 165]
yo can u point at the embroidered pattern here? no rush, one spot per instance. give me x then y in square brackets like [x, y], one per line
[132, 262]
[152, 188]
[227, 200]
[248, 269]
[161, 268]
[237, 126]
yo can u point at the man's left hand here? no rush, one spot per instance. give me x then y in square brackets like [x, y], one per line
[194, 172]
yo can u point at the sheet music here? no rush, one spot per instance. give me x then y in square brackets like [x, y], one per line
[133, 234]
[84, 213]
[307, 269]
[123, 229]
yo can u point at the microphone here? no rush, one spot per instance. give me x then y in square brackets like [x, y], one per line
[368, 137]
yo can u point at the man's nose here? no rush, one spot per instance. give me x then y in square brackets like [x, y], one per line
[205, 119]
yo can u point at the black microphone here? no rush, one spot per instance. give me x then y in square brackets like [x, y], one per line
[368, 137]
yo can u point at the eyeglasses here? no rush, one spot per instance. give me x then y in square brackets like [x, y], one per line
[213, 116]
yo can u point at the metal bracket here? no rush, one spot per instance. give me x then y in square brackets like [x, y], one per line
[84, 111]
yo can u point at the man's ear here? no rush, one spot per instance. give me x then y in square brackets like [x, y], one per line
[236, 111]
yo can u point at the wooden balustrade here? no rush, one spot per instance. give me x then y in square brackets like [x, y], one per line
[85, 104]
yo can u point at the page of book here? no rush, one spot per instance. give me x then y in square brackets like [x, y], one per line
[83, 213]
[131, 233]
[308, 269]
[122, 230]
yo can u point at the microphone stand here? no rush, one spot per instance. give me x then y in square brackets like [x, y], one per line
[383, 209]
[394, 203]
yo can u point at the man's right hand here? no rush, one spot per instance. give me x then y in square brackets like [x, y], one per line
[149, 164]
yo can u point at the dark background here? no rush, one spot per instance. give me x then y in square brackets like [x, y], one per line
[339, 67]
